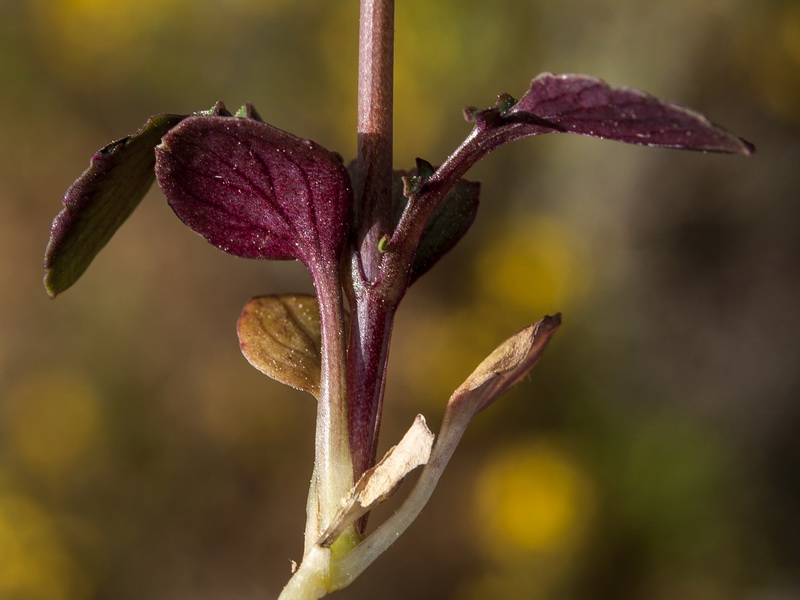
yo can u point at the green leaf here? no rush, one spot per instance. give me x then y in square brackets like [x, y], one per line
[280, 336]
[100, 200]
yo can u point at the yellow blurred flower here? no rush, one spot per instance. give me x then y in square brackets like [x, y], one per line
[83, 31]
[534, 266]
[529, 268]
[533, 511]
[34, 563]
[97, 43]
[770, 51]
[532, 498]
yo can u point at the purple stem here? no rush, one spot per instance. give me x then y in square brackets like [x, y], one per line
[375, 301]
[374, 161]
[370, 333]
[372, 312]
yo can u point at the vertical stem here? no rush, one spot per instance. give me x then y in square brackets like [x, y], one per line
[347, 422]
[333, 465]
[375, 83]
[370, 333]
[371, 322]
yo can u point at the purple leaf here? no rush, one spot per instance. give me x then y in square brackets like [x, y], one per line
[256, 191]
[103, 197]
[563, 104]
[100, 200]
[588, 106]
[448, 223]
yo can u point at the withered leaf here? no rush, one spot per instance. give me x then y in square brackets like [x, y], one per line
[280, 336]
[381, 481]
[504, 367]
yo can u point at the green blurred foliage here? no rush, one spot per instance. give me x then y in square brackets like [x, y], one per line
[654, 453]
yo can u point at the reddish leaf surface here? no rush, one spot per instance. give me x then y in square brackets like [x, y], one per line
[589, 106]
[447, 224]
[256, 191]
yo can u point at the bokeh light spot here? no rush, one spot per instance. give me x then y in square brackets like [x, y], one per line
[532, 498]
[88, 30]
[34, 563]
[52, 420]
[533, 265]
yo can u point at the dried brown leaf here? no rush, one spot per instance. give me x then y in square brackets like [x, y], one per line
[381, 481]
[280, 336]
[504, 368]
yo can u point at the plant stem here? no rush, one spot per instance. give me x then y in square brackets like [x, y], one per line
[333, 466]
[310, 581]
[374, 159]
[372, 316]
[370, 333]
[335, 442]
[358, 559]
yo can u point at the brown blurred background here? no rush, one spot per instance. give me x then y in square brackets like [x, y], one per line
[653, 454]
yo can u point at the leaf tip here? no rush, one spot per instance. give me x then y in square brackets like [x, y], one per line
[51, 290]
[747, 148]
[548, 323]
[509, 363]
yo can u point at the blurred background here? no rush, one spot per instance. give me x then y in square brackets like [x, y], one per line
[653, 453]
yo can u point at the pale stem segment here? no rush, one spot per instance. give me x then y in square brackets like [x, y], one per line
[333, 465]
[363, 555]
[311, 580]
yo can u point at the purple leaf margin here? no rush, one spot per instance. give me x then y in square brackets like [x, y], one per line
[589, 106]
[100, 201]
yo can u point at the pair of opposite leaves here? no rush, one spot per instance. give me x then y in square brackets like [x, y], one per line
[256, 191]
